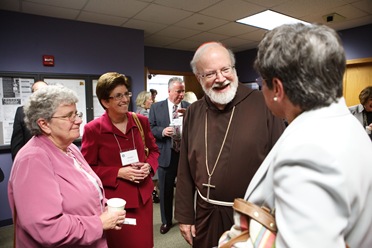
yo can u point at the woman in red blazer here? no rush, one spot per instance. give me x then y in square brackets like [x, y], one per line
[113, 146]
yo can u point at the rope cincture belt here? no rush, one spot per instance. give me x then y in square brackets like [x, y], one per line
[215, 202]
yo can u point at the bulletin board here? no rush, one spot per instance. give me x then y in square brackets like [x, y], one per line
[77, 85]
[15, 89]
[14, 92]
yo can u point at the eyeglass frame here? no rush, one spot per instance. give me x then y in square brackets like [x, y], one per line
[71, 116]
[213, 74]
[119, 96]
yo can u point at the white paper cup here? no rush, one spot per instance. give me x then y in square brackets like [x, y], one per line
[115, 204]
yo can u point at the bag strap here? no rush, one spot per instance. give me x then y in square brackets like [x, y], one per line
[262, 215]
[239, 238]
[138, 123]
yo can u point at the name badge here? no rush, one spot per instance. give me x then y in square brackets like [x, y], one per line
[129, 157]
[177, 121]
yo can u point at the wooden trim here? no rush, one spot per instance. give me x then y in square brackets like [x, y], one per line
[358, 61]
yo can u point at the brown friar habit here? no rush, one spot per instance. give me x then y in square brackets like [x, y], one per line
[253, 132]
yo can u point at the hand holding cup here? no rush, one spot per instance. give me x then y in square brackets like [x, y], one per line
[114, 216]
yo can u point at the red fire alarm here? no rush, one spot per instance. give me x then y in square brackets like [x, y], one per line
[48, 60]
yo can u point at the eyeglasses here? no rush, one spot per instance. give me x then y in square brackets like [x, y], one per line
[71, 116]
[119, 96]
[226, 71]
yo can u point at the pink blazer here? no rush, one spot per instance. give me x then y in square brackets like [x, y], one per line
[56, 204]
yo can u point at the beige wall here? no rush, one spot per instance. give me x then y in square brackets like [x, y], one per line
[358, 75]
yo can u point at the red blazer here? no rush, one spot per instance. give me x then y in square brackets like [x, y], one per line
[101, 150]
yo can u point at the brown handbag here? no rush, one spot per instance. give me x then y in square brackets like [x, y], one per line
[241, 234]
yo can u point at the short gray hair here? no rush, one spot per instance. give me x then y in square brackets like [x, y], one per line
[201, 50]
[44, 103]
[173, 80]
[308, 59]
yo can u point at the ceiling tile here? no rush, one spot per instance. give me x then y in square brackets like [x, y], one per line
[148, 27]
[101, 18]
[351, 12]
[232, 10]
[161, 14]
[123, 8]
[256, 35]
[201, 22]
[176, 32]
[47, 10]
[12, 5]
[233, 29]
[365, 5]
[189, 5]
[206, 36]
[185, 44]
[70, 4]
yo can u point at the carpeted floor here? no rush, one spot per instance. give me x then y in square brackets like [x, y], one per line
[172, 239]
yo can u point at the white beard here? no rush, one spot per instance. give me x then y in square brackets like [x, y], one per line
[224, 97]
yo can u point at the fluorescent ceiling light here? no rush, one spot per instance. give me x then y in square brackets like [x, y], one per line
[269, 20]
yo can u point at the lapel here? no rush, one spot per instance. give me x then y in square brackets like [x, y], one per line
[164, 107]
[261, 172]
[265, 166]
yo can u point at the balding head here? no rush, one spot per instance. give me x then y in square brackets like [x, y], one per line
[206, 48]
[37, 85]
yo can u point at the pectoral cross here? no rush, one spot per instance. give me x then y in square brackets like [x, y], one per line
[209, 186]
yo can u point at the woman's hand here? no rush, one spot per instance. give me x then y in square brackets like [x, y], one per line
[112, 220]
[135, 173]
[143, 170]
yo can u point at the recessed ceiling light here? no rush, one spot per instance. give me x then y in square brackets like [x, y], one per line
[268, 20]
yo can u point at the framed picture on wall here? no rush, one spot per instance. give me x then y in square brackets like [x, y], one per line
[14, 92]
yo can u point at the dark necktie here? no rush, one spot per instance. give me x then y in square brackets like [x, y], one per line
[176, 141]
[175, 113]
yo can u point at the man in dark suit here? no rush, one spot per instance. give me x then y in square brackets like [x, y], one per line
[21, 134]
[164, 117]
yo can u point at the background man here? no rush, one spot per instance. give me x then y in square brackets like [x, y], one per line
[162, 114]
[21, 134]
[363, 111]
[226, 135]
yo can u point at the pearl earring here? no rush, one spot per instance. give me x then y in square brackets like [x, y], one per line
[275, 99]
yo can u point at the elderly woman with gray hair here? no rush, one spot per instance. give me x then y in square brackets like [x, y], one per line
[55, 197]
[317, 177]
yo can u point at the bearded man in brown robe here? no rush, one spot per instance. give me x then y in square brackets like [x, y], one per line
[226, 135]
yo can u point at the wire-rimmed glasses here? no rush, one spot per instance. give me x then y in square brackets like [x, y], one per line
[119, 96]
[71, 116]
[226, 71]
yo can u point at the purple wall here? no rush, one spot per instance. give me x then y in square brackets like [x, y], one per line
[357, 42]
[78, 47]
[167, 59]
